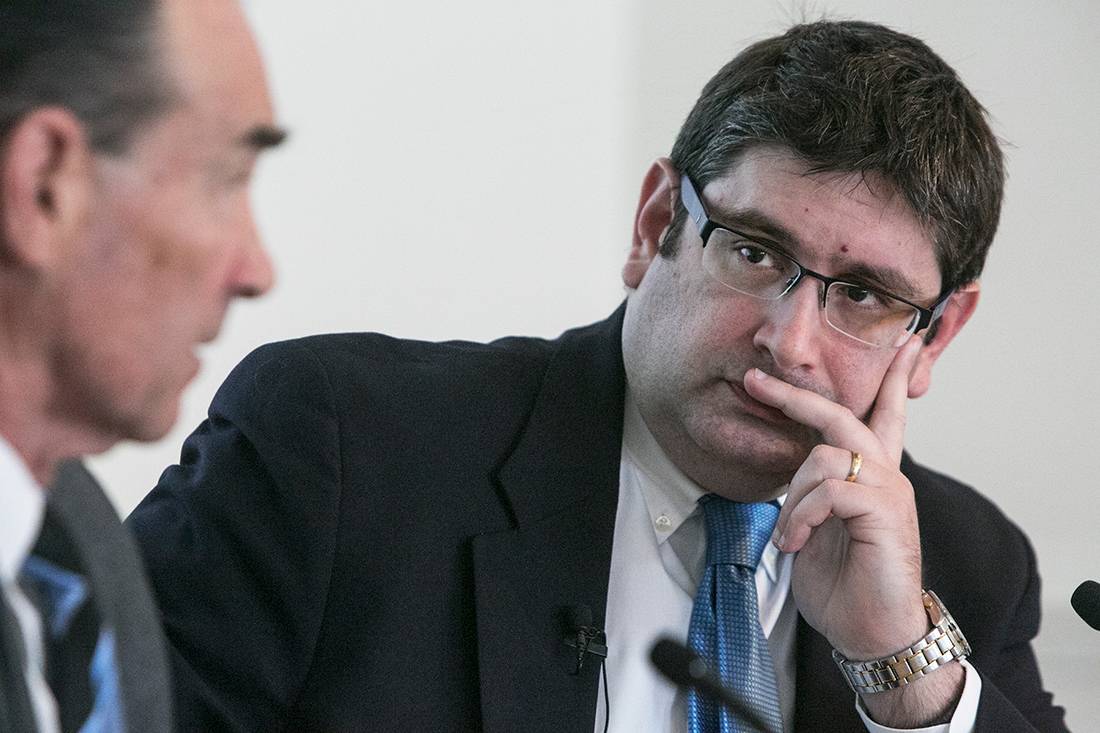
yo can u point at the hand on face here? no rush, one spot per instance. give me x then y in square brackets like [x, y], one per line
[857, 577]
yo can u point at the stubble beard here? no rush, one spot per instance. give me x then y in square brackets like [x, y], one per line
[730, 452]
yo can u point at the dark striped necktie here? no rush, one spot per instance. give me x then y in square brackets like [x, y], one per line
[80, 655]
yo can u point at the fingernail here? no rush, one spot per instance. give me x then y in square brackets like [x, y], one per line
[759, 374]
[779, 542]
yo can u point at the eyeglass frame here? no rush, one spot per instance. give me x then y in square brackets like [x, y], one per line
[697, 210]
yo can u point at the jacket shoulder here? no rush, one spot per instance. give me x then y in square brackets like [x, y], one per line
[400, 394]
[343, 354]
[974, 556]
[948, 507]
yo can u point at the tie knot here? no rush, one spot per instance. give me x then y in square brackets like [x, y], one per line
[736, 532]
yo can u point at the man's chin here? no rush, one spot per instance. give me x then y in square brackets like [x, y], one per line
[752, 446]
[156, 423]
[150, 421]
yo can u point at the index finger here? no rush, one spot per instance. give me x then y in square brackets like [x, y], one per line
[836, 423]
[887, 419]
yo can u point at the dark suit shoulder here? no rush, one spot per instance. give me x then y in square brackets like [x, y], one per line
[959, 510]
[373, 360]
[390, 386]
[976, 558]
[389, 349]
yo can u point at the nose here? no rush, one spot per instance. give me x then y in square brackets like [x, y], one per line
[255, 273]
[792, 326]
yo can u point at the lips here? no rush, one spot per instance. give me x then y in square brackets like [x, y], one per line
[757, 408]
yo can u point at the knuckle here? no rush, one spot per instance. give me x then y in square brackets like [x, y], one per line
[819, 458]
[831, 487]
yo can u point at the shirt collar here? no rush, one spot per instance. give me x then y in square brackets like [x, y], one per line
[24, 504]
[671, 497]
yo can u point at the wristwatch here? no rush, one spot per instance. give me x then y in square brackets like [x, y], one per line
[943, 644]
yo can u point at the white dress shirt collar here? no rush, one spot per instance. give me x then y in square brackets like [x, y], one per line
[24, 503]
[670, 496]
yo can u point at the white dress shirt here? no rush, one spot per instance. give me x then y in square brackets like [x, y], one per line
[657, 560]
[24, 504]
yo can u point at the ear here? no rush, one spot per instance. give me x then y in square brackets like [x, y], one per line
[660, 192]
[45, 182]
[959, 308]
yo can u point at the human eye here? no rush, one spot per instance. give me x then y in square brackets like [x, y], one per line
[754, 255]
[856, 296]
[745, 254]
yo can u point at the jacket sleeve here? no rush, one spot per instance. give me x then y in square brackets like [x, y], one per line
[1013, 698]
[239, 541]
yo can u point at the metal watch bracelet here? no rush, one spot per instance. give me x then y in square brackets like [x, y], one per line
[945, 643]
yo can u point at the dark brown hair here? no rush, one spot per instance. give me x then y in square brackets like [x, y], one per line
[857, 97]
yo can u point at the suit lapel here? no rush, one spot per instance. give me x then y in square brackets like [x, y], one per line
[561, 486]
[109, 561]
[16, 713]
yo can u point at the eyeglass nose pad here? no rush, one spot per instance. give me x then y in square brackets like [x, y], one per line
[793, 282]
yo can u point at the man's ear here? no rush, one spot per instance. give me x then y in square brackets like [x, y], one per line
[660, 192]
[959, 308]
[45, 182]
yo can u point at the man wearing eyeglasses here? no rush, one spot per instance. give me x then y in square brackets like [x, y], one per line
[377, 534]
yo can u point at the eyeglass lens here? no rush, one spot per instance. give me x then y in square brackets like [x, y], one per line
[757, 270]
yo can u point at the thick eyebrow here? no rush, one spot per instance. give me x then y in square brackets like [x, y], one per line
[887, 279]
[748, 221]
[262, 137]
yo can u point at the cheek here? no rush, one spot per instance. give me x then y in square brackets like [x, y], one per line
[694, 330]
[857, 381]
[723, 326]
[186, 267]
[177, 233]
[190, 268]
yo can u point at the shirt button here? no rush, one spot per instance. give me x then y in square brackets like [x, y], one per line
[663, 523]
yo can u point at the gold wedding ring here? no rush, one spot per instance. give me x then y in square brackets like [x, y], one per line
[857, 463]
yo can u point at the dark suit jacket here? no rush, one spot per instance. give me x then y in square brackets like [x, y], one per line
[83, 534]
[374, 534]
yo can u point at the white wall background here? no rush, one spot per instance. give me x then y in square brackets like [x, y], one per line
[469, 170]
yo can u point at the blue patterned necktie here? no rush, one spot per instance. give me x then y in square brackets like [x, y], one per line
[725, 620]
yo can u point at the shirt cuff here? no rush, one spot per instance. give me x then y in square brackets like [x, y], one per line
[962, 720]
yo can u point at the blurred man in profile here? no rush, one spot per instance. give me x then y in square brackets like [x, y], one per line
[129, 130]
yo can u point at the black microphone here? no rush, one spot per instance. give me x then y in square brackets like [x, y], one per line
[587, 639]
[1086, 602]
[685, 668]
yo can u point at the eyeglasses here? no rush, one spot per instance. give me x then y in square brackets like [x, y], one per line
[760, 270]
